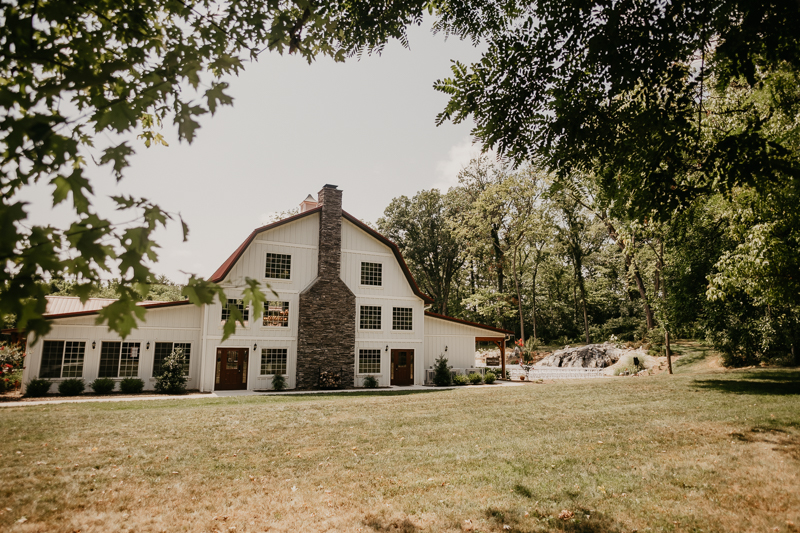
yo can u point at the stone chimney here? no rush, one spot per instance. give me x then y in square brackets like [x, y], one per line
[330, 232]
[326, 338]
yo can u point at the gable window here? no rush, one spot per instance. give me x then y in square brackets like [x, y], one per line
[62, 359]
[119, 359]
[371, 274]
[370, 317]
[402, 318]
[273, 361]
[369, 361]
[231, 303]
[164, 349]
[279, 266]
[276, 314]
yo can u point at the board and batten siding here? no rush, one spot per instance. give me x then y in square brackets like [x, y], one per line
[358, 246]
[170, 324]
[300, 240]
[458, 338]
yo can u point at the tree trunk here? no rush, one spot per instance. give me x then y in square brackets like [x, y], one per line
[632, 267]
[519, 299]
[585, 316]
[534, 302]
[669, 352]
[498, 255]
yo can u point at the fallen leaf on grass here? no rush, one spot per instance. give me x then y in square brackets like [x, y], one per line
[175, 472]
[22, 520]
[565, 515]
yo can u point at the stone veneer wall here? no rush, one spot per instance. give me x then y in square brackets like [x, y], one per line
[327, 314]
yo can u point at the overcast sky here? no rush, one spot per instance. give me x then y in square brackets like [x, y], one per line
[366, 126]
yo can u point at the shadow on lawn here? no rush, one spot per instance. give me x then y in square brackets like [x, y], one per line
[517, 522]
[770, 383]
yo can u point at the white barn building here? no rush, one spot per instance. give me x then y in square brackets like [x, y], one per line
[347, 307]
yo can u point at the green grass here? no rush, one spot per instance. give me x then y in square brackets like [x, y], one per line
[716, 451]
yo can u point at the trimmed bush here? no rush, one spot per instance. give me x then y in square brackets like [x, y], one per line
[460, 379]
[370, 382]
[131, 385]
[441, 372]
[475, 378]
[489, 378]
[71, 387]
[102, 385]
[278, 382]
[172, 380]
[37, 388]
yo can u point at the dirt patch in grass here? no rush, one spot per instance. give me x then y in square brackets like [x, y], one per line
[676, 453]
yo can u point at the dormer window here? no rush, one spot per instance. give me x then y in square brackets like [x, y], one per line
[372, 274]
[279, 266]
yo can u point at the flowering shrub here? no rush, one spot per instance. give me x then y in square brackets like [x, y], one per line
[12, 357]
[172, 379]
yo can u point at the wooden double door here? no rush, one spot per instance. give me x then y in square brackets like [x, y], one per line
[231, 369]
[402, 367]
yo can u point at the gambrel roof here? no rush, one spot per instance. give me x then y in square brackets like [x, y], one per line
[226, 267]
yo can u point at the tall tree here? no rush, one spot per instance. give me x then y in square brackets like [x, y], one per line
[419, 226]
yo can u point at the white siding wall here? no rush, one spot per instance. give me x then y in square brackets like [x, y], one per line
[458, 338]
[357, 247]
[300, 240]
[169, 324]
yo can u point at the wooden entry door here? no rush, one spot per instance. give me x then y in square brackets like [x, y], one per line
[231, 369]
[402, 367]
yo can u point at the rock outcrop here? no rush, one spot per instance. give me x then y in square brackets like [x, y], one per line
[589, 356]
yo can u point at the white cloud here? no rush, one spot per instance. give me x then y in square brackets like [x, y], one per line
[458, 157]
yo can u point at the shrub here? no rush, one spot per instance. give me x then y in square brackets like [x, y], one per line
[71, 387]
[102, 385]
[172, 380]
[498, 373]
[489, 378]
[131, 385]
[370, 382]
[460, 379]
[278, 382]
[475, 378]
[441, 372]
[12, 357]
[37, 387]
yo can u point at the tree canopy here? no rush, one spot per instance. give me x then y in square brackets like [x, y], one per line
[71, 71]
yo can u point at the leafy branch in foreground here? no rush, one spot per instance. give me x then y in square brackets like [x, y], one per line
[70, 71]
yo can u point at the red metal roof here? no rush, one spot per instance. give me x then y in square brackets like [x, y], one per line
[467, 323]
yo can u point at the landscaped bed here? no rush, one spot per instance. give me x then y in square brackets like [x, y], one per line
[717, 451]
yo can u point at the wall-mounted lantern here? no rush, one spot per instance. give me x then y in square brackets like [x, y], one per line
[147, 346]
[94, 345]
[255, 347]
[445, 348]
[387, 348]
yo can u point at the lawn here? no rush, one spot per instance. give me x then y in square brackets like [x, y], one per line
[697, 451]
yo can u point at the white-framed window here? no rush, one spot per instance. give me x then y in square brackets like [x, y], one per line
[279, 266]
[273, 361]
[62, 359]
[369, 361]
[237, 303]
[371, 274]
[119, 359]
[276, 314]
[163, 349]
[402, 318]
[370, 317]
